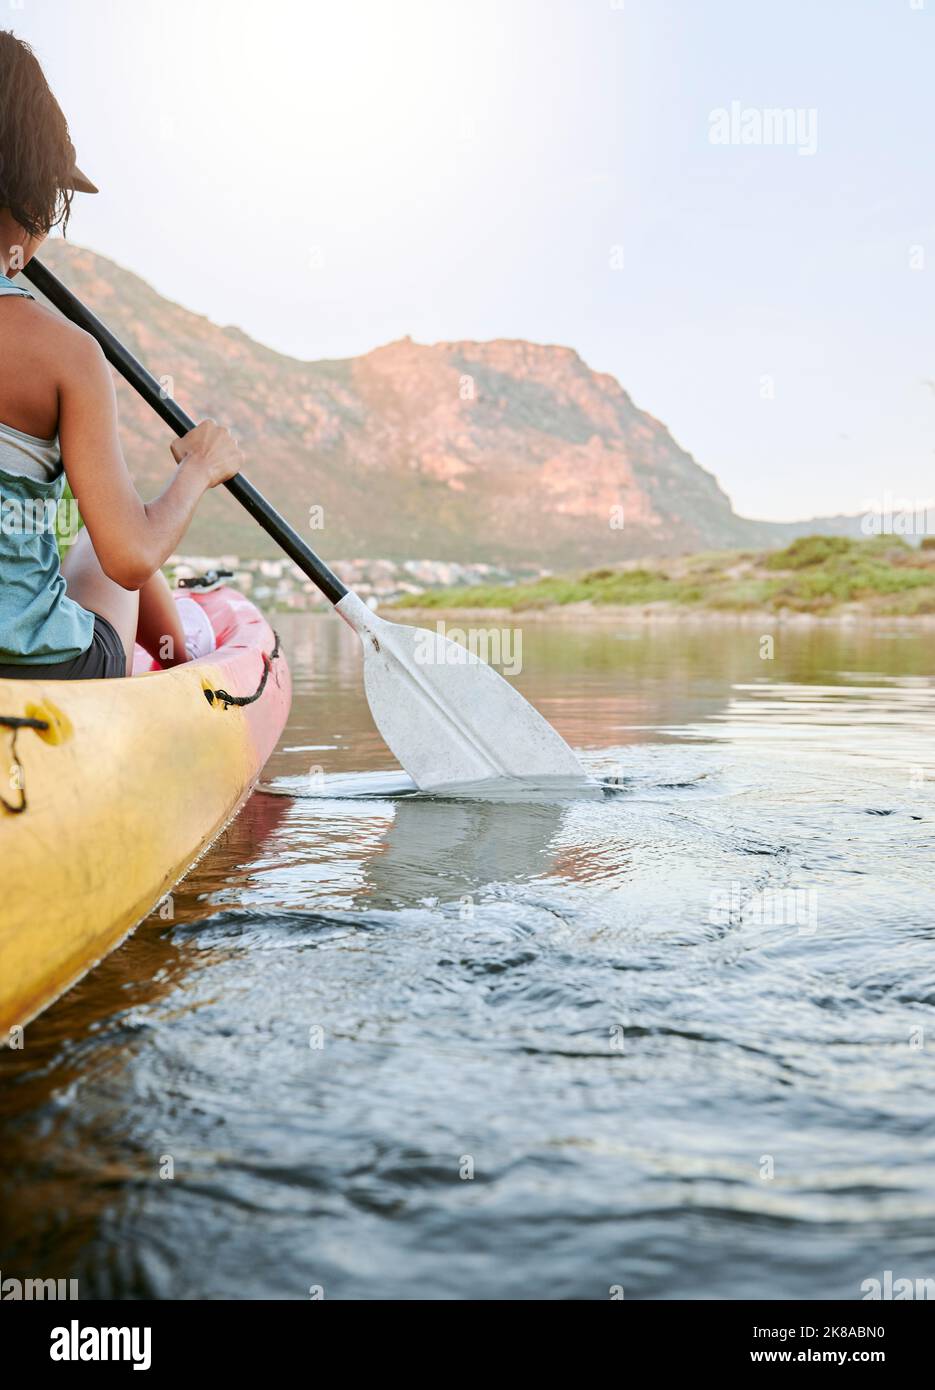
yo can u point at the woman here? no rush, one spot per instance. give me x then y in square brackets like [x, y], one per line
[58, 420]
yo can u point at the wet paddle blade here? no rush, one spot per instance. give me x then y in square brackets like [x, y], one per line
[448, 717]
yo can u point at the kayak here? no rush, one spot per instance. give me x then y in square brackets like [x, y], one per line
[117, 787]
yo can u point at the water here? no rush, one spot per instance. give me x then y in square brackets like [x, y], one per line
[681, 1034]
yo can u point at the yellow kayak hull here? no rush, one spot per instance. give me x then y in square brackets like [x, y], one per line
[124, 791]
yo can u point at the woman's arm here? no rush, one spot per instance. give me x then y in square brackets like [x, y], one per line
[132, 539]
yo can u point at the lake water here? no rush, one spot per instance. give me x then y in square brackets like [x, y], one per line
[677, 1039]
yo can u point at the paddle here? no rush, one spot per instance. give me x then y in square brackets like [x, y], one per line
[448, 717]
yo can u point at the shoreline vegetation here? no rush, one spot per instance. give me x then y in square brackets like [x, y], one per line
[815, 578]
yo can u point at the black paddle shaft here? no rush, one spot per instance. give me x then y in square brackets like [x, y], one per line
[148, 387]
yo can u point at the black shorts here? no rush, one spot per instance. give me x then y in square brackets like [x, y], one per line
[104, 658]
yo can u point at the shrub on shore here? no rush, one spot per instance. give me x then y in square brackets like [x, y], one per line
[813, 574]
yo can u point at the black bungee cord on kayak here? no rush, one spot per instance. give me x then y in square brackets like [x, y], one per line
[223, 698]
[16, 722]
[18, 777]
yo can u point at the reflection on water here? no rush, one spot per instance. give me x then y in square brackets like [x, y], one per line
[679, 1029]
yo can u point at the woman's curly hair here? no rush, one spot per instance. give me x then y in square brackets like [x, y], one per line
[37, 158]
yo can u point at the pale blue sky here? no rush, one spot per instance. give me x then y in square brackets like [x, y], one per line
[333, 174]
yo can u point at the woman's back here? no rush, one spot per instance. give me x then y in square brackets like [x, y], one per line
[29, 335]
[38, 622]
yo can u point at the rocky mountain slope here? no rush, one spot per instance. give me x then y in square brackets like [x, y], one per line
[508, 451]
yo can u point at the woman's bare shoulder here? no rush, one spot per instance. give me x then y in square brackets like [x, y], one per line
[44, 360]
[37, 329]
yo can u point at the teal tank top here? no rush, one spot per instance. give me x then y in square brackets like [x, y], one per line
[39, 623]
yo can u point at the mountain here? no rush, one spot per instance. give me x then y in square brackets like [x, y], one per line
[508, 451]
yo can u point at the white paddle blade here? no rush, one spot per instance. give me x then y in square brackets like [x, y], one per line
[448, 717]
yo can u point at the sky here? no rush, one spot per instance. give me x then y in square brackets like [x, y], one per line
[330, 175]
